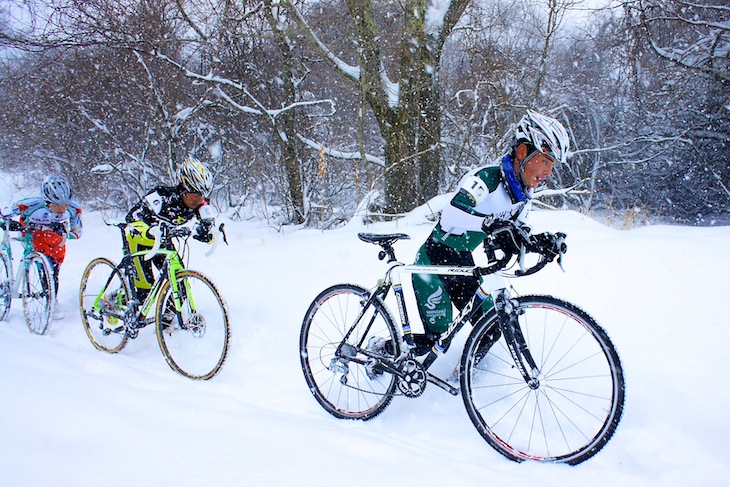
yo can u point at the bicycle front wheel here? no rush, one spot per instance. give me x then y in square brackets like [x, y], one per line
[194, 340]
[6, 293]
[38, 293]
[103, 298]
[337, 373]
[574, 407]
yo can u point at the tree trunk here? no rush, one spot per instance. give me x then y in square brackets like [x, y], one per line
[285, 124]
[410, 121]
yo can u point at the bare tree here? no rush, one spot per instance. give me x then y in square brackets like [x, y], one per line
[401, 87]
[694, 35]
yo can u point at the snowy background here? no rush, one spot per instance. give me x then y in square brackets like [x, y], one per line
[73, 416]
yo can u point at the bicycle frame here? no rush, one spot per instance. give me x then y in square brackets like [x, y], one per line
[17, 277]
[492, 290]
[489, 284]
[173, 265]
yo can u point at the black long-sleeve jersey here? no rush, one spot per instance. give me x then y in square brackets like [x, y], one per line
[163, 203]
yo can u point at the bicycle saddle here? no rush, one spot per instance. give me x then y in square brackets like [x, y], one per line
[380, 239]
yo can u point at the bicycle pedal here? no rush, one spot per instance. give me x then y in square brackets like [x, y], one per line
[373, 369]
[171, 329]
[109, 331]
[141, 323]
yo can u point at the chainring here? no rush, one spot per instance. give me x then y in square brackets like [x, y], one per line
[412, 379]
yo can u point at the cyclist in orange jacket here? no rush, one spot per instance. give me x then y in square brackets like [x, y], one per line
[51, 219]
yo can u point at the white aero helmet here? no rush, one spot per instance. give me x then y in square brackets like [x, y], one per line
[544, 133]
[56, 190]
[195, 177]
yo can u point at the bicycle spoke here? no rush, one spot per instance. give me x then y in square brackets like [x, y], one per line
[103, 297]
[38, 293]
[343, 386]
[195, 341]
[6, 298]
[572, 410]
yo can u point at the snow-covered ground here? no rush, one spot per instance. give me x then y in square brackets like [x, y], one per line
[73, 416]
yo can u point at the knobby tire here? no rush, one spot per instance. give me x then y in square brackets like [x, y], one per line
[345, 387]
[576, 407]
[103, 327]
[6, 296]
[197, 346]
[38, 293]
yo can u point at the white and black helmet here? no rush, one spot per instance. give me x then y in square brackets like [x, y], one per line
[57, 190]
[544, 133]
[195, 177]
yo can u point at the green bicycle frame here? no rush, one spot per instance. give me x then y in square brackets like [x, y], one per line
[173, 266]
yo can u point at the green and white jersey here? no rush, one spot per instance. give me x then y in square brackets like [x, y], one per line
[483, 193]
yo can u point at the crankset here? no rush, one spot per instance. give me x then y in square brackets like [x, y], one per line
[412, 378]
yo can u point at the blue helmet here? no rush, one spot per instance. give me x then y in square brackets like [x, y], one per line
[57, 190]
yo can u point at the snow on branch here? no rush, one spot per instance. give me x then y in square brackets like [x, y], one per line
[258, 108]
[340, 154]
[435, 15]
[636, 140]
[707, 46]
[352, 72]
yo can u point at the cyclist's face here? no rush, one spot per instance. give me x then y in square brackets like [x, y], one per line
[538, 168]
[193, 200]
[57, 209]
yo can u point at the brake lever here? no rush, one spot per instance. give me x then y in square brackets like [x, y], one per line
[218, 233]
[562, 248]
[223, 232]
[521, 259]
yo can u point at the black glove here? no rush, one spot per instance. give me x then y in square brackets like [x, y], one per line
[207, 238]
[506, 235]
[548, 244]
[15, 226]
[58, 227]
[202, 233]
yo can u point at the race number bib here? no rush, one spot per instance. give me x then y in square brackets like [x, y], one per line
[476, 188]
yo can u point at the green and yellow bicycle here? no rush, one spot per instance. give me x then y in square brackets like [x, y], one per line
[190, 317]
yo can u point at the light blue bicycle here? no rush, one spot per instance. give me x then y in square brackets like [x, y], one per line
[33, 281]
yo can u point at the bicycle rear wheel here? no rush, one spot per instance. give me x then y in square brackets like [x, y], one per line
[574, 408]
[346, 388]
[6, 293]
[195, 340]
[38, 293]
[103, 298]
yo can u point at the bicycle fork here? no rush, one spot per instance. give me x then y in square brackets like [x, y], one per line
[507, 313]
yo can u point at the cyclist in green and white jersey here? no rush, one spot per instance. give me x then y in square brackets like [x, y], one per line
[484, 195]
